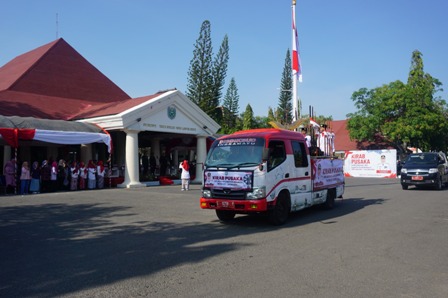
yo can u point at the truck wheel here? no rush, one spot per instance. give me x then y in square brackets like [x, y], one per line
[404, 186]
[279, 215]
[225, 215]
[329, 202]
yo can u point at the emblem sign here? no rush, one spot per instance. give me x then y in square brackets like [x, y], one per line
[171, 112]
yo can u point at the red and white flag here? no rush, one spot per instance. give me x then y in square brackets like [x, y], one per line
[314, 123]
[296, 65]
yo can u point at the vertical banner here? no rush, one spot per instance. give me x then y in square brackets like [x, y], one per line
[371, 163]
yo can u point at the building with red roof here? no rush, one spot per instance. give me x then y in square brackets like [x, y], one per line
[55, 82]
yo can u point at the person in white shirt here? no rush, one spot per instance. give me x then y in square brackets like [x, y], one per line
[185, 175]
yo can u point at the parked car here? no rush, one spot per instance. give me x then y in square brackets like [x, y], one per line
[425, 169]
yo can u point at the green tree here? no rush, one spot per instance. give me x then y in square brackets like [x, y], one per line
[230, 108]
[405, 114]
[200, 79]
[206, 76]
[248, 118]
[284, 111]
[219, 72]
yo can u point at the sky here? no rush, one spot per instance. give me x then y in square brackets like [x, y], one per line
[145, 46]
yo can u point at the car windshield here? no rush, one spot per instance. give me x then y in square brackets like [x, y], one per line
[421, 159]
[235, 152]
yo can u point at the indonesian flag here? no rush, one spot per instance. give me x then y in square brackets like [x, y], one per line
[314, 123]
[296, 65]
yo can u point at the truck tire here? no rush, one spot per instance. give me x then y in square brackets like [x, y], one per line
[225, 215]
[404, 186]
[329, 202]
[279, 214]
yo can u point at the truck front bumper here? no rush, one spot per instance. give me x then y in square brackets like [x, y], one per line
[239, 206]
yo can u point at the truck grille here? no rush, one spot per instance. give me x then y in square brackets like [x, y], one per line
[229, 194]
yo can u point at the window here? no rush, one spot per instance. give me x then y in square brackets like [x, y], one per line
[277, 154]
[300, 157]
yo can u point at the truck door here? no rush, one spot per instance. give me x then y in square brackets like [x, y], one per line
[302, 174]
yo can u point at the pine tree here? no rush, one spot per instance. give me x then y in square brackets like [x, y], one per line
[248, 118]
[284, 111]
[230, 108]
[219, 72]
[200, 78]
[206, 77]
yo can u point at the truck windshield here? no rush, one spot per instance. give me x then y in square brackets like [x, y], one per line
[235, 152]
[421, 159]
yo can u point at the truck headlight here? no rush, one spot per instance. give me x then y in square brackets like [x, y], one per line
[433, 170]
[256, 193]
[206, 193]
[404, 171]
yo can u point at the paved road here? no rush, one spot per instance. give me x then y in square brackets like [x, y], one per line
[380, 241]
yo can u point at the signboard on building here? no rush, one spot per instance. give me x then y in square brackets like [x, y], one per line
[371, 163]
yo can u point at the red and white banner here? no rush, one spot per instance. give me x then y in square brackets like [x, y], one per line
[327, 172]
[371, 163]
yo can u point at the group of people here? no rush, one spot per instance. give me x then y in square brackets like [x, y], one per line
[323, 141]
[51, 176]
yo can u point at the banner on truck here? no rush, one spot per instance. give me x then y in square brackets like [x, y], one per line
[371, 163]
[327, 172]
[234, 180]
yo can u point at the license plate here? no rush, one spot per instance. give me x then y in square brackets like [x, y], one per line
[418, 178]
[226, 204]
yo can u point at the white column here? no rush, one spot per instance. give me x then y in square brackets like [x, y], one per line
[201, 147]
[131, 178]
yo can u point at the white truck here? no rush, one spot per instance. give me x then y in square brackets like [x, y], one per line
[268, 171]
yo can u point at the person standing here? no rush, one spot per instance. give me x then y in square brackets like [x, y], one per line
[35, 178]
[45, 176]
[10, 174]
[91, 175]
[185, 175]
[74, 173]
[100, 170]
[82, 175]
[25, 179]
[54, 176]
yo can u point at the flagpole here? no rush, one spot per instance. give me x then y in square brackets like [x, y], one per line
[294, 58]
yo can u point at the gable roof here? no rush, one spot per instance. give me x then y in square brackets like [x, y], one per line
[54, 82]
[58, 70]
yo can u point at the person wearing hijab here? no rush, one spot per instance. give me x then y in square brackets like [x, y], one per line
[100, 174]
[10, 174]
[82, 176]
[54, 176]
[74, 173]
[185, 175]
[91, 175]
[35, 178]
